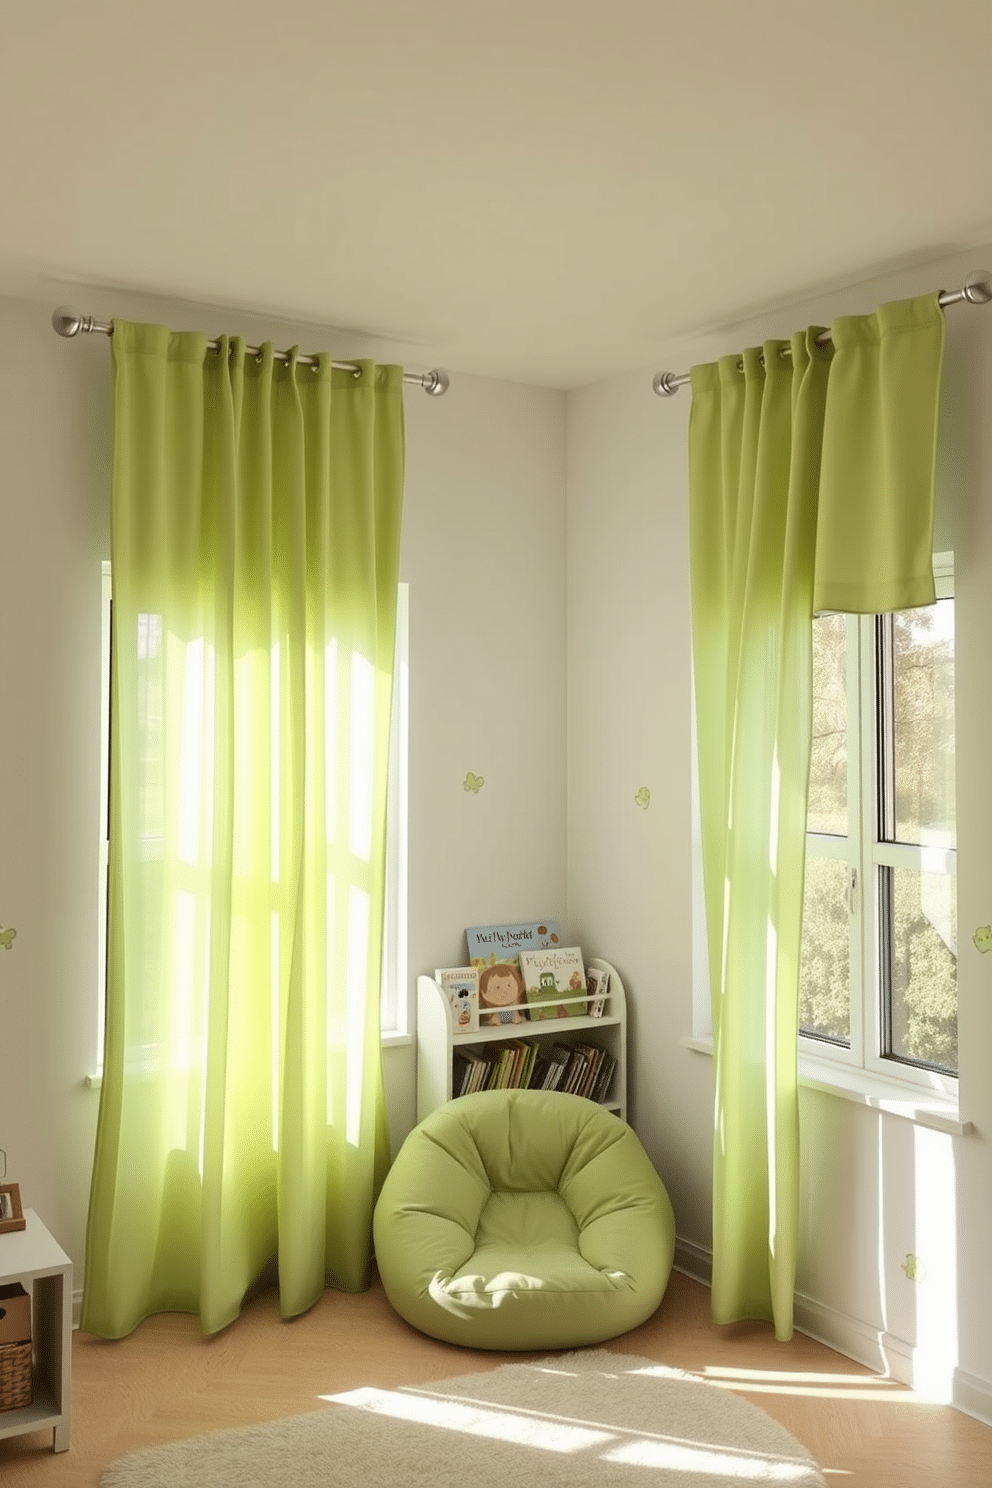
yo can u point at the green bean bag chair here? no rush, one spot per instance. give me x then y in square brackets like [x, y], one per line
[523, 1219]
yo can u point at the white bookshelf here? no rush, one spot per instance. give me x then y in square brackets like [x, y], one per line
[437, 1040]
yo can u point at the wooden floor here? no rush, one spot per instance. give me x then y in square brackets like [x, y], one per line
[167, 1381]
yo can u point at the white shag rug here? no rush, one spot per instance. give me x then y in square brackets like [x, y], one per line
[590, 1419]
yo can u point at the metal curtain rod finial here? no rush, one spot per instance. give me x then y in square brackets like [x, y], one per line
[68, 322]
[977, 290]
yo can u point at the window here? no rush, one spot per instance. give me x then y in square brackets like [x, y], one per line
[104, 886]
[394, 997]
[394, 1010]
[879, 956]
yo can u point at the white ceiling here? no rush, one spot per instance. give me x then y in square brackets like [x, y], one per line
[543, 190]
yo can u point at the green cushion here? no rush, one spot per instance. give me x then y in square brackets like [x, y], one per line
[523, 1219]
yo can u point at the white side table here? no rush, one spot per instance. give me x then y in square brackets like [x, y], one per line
[39, 1263]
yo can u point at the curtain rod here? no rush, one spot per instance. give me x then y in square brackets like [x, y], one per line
[977, 291]
[69, 322]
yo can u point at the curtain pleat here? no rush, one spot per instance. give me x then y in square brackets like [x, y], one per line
[255, 546]
[810, 478]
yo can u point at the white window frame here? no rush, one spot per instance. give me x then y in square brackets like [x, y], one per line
[395, 1020]
[103, 893]
[924, 1097]
[864, 855]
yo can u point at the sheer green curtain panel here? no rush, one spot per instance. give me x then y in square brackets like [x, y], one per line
[811, 483]
[255, 528]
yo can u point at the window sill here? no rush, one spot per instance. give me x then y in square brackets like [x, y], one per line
[894, 1097]
[390, 1040]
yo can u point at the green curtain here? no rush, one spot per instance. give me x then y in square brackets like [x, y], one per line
[811, 485]
[255, 547]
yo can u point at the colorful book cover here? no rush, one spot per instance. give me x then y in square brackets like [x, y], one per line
[502, 998]
[488, 944]
[553, 977]
[460, 984]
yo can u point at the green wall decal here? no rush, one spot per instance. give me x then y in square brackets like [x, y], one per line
[643, 798]
[7, 939]
[983, 937]
[913, 1267]
[473, 783]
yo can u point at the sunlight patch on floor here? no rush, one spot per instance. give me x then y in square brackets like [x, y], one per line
[507, 1426]
[716, 1462]
[878, 1389]
[624, 1446]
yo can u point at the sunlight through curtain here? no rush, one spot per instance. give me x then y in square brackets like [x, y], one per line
[811, 487]
[255, 549]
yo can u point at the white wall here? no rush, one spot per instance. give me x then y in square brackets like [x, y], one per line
[483, 538]
[875, 1187]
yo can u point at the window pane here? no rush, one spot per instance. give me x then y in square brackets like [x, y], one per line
[923, 666]
[924, 1013]
[824, 983]
[827, 807]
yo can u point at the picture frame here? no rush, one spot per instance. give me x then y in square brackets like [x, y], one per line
[11, 1213]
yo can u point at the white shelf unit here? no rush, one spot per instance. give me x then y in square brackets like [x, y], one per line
[32, 1257]
[437, 1040]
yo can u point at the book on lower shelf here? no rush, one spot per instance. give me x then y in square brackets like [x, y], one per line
[559, 1056]
[531, 1064]
[601, 1088]
[592, 1058]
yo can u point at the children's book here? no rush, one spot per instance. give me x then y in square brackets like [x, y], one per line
[594, 1057]
[559, 1058]
[489, 944]
[502, 998]
[477, 1070]
[460, 984]
[597, 986]
[539, 1072]
[604, 1079]
[461, 1074]
[555, 979]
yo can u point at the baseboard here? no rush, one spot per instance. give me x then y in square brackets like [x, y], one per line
[846, 1335]
[883, 1352]
[873, 1347]
[693, 1260]
[972, 1395]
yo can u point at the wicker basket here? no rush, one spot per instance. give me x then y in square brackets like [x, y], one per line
[15, 1375]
